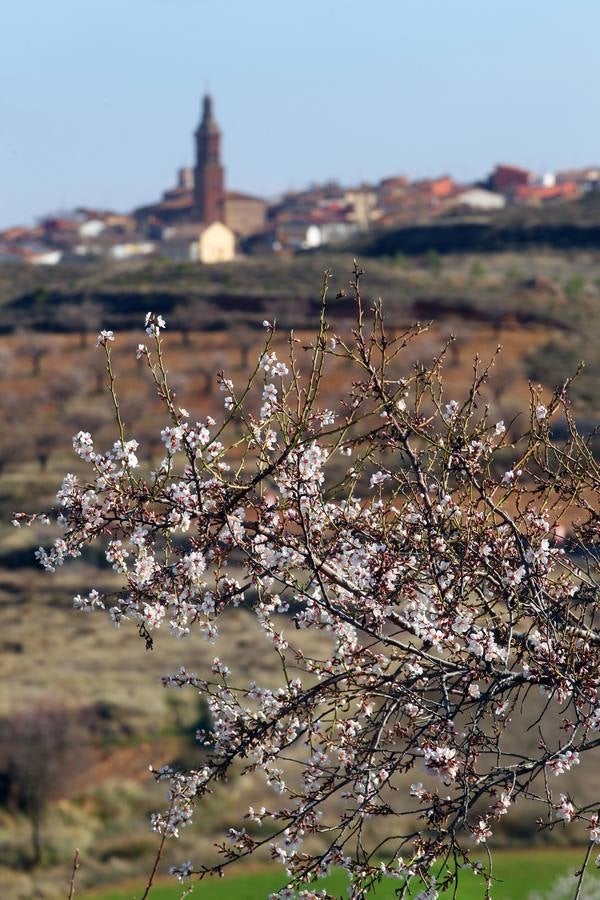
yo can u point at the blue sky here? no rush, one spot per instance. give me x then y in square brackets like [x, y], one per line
[98, 100]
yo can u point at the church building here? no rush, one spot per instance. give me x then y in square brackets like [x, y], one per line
[200, 196]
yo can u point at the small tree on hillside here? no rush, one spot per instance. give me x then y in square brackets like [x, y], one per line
[7, 362]
[34, 349]
[11, 448]
[427, 553]
[84, 318]
[44, 438]
[41, 750]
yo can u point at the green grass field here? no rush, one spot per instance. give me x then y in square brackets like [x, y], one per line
[519, 874]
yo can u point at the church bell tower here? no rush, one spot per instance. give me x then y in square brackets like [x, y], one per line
[209, 176]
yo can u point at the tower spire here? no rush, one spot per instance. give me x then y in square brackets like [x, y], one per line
[207, 110]
[209, 176]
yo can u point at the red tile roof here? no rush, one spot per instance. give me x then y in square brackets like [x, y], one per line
[566, 190]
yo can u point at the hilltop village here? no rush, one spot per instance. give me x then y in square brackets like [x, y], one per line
[200, 219]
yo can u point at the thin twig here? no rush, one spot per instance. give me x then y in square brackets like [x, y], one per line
[582, 872]
[157, 859]
[73, 873]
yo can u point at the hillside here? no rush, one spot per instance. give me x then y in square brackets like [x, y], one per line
[562, 227]
[558, 292]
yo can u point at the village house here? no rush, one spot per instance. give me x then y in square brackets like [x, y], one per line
[117, 222]
[95, 234]
[438, 188]
[505, 179]
[401, 201]
[587, 178]
[319, 201]
[540, 194]
[307, 235]
[243, 213]
[361, 203]
[34, 254]
[214, 243]
[108, 245]
[478, 199]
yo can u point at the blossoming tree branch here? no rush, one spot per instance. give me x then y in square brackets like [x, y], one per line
[450, 588]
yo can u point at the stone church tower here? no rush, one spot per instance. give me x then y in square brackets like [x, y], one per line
[209, 176]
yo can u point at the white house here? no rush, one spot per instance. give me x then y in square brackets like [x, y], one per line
[329, 233]
[131, 249]
[34, 254]
[308, 236]
[45, 257]
[91, 228]
[480, 199]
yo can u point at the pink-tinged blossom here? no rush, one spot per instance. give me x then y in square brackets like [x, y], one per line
[481, 831]
[441, 761]
[514, 577]
[450, 410]
[84, 446]
[503, 805]
[194, 566]
[269, 363]
[144, 570]
[540, 554]
[172, 438]
[125, 453]
[378, 478]
[482, 644]
[563, 762]
[219, 668]
[117, 555]
[594, 829]
[565, 810]
[91, 603]
[594, 720]
[152, 615]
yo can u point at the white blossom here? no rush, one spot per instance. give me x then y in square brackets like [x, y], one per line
[104, 337]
